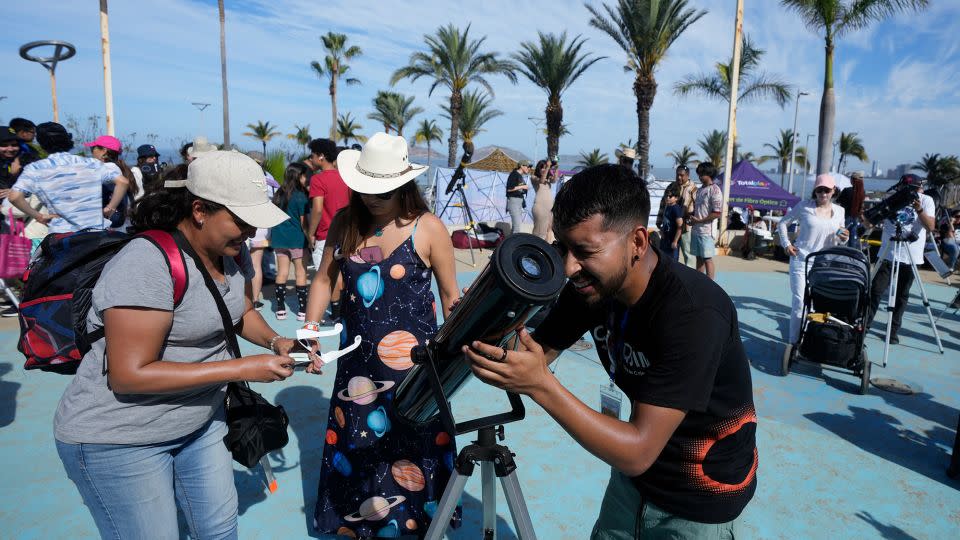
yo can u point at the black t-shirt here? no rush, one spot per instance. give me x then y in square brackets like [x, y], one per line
[515, 179]
[678, 347]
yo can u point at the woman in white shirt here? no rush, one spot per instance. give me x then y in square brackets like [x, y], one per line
[819, 226]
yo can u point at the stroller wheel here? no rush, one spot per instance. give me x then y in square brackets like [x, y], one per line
[865, 375]
[786, 360]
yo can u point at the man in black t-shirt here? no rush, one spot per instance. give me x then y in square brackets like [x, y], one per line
[516, 193]
[684, 464]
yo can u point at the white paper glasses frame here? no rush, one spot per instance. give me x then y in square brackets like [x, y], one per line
[304, 337]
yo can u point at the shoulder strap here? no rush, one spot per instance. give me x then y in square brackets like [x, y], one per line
[174, 259]
[228, 328]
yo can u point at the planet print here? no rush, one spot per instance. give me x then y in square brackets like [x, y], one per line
[411, 524]
[377, 421]
[331, 436]
[343, 531]
[370, 286]
[375, 508]
[448, 460]
[397, 271]
[442, 439]
[342, 464]
[362, 390]
[407, 475]
[338, 416]
[430, 507]
[392, 530]
[394, 349]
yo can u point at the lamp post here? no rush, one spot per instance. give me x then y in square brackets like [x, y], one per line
[107, 73]
[536, 133]
[793, 140]
[61, 51]
[806, 165]
[200, 107]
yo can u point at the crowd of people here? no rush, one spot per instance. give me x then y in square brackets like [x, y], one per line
[139, 429]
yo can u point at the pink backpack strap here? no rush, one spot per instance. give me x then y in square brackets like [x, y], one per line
[174, 258]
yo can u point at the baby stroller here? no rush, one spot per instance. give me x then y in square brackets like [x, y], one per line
[833, 321]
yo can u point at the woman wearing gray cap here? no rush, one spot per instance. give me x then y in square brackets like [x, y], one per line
[141, 425]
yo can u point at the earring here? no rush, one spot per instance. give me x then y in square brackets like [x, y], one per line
[636, 258]
[201, 223]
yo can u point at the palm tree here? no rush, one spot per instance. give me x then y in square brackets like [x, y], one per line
[475, 112]
[746, 156]
[348, 128]
[454, 60]
[834, 18]
[394, 110]
[335, 66]
[752, 86]
[554, 65]
[683, 156]
[939, 170]
[263, 132]
[851, 145]
[427, 132]
[644, 29]
[714, 145]
[782, 148]
[302, 136]
[223, 74]
[591, 159]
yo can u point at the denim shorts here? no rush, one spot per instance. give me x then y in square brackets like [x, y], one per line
[702, 246]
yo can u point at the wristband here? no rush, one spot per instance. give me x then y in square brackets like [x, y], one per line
[312, 326]
[273, 340]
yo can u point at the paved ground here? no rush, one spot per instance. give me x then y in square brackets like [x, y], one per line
[833, 464]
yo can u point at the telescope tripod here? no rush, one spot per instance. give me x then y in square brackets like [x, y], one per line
[494, 459]
[898, 248]
[469, 225]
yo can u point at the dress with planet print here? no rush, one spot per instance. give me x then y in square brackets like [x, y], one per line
[381, 477]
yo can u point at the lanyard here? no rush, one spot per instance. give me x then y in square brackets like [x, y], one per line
[617, 342]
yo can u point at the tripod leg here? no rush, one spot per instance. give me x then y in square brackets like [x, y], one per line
[446, 507]
[489, 498]
[926, 302]
[518, 508]
[891, 299]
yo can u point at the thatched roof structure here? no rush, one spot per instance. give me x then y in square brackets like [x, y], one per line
[495, 161]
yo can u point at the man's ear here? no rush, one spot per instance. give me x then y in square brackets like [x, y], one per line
[640, 239]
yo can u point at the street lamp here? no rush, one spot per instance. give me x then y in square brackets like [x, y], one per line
[536, 134]
[61, 51]
[793, 140]
[200, 107]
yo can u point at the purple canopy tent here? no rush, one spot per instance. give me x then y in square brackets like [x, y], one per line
[750, 187]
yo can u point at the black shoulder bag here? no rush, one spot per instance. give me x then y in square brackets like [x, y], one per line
[255, 426]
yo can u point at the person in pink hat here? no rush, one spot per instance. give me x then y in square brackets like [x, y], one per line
[107, 149]
[69, 186]
[820, 224]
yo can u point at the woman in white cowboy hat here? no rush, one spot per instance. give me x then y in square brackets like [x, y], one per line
[387, 248]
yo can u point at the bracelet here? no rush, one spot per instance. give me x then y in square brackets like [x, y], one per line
[312, 325]
[273, 340]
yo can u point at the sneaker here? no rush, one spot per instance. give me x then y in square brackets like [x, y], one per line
[894, 340]
[8, 311]
[301, 316]
[281, 315]
[258, 305]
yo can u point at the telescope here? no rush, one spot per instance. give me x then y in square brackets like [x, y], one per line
[523, 275]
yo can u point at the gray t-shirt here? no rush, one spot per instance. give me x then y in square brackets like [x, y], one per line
[138, 276]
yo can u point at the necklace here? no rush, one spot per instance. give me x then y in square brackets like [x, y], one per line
[378, 229]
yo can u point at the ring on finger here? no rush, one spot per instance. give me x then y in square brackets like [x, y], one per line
[503, 357]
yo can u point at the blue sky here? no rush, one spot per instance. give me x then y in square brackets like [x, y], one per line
[894, 81]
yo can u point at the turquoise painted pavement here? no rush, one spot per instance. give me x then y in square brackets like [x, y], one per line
[833, 464]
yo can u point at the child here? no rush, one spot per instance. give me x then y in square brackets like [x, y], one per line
[672, 225]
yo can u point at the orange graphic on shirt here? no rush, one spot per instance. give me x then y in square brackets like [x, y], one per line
[697, 451]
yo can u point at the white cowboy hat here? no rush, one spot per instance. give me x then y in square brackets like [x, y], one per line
[383, 165]
[627, 152]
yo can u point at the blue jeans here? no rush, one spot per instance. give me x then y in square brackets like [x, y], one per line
[132, 491]
[951, 250]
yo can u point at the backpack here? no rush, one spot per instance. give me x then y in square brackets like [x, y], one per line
[58, 293]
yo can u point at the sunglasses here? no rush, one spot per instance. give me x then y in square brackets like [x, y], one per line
[385, 196]
[822, 190]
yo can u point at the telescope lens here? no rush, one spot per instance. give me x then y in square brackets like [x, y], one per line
[530, 267]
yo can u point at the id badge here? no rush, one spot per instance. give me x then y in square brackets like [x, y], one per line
[610, 400]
